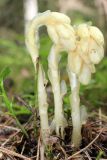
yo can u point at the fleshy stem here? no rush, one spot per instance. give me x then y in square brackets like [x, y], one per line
[43, 105]
[32, 43]
[59, 121]
[75, 107]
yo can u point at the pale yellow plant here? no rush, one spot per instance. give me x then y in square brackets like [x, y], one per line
[43, 105]
[63, 37]
[64, 41]
[84, 45]
[89, 51]
[81, 63]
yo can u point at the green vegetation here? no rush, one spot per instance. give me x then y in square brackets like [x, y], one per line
[9, 104]
[15, 56]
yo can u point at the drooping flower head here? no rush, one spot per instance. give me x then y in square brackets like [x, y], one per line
[89, 51]
[59, 29]
[61, 32]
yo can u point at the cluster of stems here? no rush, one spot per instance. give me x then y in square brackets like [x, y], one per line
[84, 45]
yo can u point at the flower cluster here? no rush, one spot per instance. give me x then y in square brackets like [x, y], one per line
[84, 45]
[89, 51]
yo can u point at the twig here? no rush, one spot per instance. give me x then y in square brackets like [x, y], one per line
[57, 156]
[33, 157]
[63, 152]
[9, 127]
[88, 156]
[37, 158]
[7, 140]
[23, 148]
[7, 151]
[24, 103]
[18, 131]
[82, 150]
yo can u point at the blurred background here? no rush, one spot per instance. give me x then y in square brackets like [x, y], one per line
[14, 14]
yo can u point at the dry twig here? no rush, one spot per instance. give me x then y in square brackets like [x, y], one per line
[12, 153]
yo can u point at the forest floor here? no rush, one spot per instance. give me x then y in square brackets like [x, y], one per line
[15, 146]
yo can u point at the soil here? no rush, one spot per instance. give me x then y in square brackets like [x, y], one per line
[15, 146]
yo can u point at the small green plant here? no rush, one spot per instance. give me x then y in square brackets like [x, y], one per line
[100, 154]
[7, 101]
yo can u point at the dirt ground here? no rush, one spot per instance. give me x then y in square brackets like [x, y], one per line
[15, 146]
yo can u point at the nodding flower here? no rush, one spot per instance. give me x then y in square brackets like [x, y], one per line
[63, 38]
[81, 64]
[89, 51]
[84, 45]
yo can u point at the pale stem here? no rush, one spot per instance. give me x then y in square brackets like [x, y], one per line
[54, 75]
[43, 105]
[32, 39]
[75, 107]
[32, 43]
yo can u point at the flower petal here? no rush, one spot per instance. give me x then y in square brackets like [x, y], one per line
[52, 34]
[60, 17]
[96, 52]
[63, 31]
[83, 31]
[68, 44]
[85, 75]
[92, 68]
[96, 35]
[83, 47]
[75, 62]
[96, 55]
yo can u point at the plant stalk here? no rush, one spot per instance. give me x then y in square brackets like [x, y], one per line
[75, 107]
[59, 121]
[43, 105]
